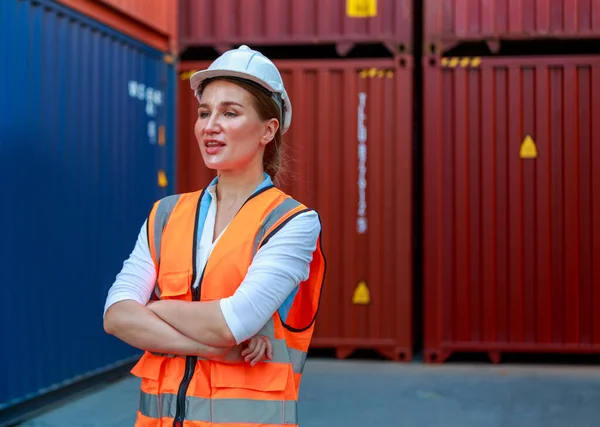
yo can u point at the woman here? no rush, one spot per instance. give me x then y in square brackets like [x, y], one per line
[235, 270]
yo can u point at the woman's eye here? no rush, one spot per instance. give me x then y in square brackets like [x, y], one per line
[203, 114]
[230, 114]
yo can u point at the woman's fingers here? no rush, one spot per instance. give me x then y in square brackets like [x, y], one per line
[259, 353]
[250, 347]
[250, 352]
[269, 347]
[259, 348]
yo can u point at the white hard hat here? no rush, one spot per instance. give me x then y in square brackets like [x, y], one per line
[248, 64]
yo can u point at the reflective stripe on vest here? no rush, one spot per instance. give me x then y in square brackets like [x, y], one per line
[163, 212]
[272, 218]
[161, 217]
[281, 352]
[277, 412]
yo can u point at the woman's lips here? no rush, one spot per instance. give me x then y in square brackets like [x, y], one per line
[213, 146]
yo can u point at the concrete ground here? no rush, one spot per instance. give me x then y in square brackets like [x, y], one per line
[376, 394]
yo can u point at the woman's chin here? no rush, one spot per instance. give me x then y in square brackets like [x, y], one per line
[215, 164]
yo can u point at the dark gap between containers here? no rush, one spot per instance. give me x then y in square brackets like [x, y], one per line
[311, 51]
[518, 47]
[418, 177]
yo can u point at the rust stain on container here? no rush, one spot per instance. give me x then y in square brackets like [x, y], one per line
[292, 22]
[512, 206]
[157, 25]
[452, 20]
[350, 150]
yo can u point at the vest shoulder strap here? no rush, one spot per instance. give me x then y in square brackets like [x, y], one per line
[157, 220]
[276, 219]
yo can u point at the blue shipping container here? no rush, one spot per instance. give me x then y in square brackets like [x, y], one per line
[86, 130]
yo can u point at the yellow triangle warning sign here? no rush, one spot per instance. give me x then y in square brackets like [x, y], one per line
[528, 148]
[162, 179]
[361, 294]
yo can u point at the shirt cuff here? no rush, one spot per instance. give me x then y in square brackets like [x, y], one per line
[233, 322]
[118, 297]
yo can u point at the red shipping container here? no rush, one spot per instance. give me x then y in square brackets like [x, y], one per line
[511, 205]
[362, 191]
[155, 26]
[227, 23]
[453, 20]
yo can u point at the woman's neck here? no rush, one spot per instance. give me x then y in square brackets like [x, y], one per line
[236, 186]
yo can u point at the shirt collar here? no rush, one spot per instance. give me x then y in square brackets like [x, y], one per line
[211, 190]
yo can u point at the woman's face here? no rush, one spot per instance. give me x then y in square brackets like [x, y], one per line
[230, 134]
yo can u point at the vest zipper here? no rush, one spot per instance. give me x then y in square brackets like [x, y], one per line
[190, 364]
[190, 361]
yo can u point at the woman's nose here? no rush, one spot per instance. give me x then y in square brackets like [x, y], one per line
[212, 125]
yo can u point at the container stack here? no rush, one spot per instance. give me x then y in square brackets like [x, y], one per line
[86, 147]
[511, 199]
[350, 146]
[511, 202]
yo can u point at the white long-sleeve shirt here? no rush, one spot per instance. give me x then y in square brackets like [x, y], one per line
[277, 269]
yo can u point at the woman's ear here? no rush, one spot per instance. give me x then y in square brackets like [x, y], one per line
[271, 127]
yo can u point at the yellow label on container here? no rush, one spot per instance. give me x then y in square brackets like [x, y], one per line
[361, 8]
[161, 135]
[162, 179]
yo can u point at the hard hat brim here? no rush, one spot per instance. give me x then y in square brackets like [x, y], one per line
[200, 76]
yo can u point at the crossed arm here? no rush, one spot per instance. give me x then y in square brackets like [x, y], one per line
[215, 329]
[140, 327]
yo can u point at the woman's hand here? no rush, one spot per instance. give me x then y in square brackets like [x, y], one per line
[258, 348]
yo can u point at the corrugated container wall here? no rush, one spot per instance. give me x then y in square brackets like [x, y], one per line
[351, 150]
[85, 134]
[156, 26]
[227, 23]
[512, 206]
[451, 21]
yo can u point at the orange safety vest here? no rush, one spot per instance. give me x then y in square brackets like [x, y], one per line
[192, 391]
